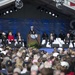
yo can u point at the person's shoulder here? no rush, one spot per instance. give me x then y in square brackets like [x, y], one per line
[27, 73]
[71, 73]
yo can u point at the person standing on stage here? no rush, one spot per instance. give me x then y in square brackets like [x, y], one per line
[32, 31]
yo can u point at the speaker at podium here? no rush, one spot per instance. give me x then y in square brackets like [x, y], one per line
[33, 38]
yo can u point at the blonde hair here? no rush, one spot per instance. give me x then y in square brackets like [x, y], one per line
[58, 67]
[63, 69]
[19, 63]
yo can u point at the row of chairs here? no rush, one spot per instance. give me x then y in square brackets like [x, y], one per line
[57, 43]
[13, 44]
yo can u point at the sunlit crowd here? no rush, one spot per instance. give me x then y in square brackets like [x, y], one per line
[32, 61]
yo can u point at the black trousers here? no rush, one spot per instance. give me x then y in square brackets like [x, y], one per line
[73, 43]
[67, 42]
[4, 43]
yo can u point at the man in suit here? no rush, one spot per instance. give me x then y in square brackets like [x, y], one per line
[67, 38]
[73, 40]
[19, 37]
[61, 35]
[4, 38]
[32, 31]
[45, 36]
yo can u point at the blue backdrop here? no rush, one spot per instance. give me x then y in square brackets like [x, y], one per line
[40, 25]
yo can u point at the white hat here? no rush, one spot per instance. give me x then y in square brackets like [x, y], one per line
[34, 68]
[55, 54]
[65, 64]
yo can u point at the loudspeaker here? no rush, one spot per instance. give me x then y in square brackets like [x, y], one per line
[18, 45]
[11, 45]
[65, 46]
[55, 45]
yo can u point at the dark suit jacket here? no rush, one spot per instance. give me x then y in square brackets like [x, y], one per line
[45, 36]
[67, 39]
[74, 38]
[32, 32]
[3, 38]
[18, 38]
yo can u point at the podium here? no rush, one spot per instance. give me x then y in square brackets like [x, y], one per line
[33, 38]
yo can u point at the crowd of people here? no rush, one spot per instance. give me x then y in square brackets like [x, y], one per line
[9, 38]
[32, 61]
[6, 39]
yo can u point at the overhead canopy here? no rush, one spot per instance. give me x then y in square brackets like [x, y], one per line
[5, 2]
[67, 9]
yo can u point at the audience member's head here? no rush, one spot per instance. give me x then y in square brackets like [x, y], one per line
[33, 72]
[16, 73]
[46, 71]
[10, 33]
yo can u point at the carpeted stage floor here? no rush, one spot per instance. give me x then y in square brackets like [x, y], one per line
[49, 50]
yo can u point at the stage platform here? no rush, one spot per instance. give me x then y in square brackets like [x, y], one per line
[49, 50]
